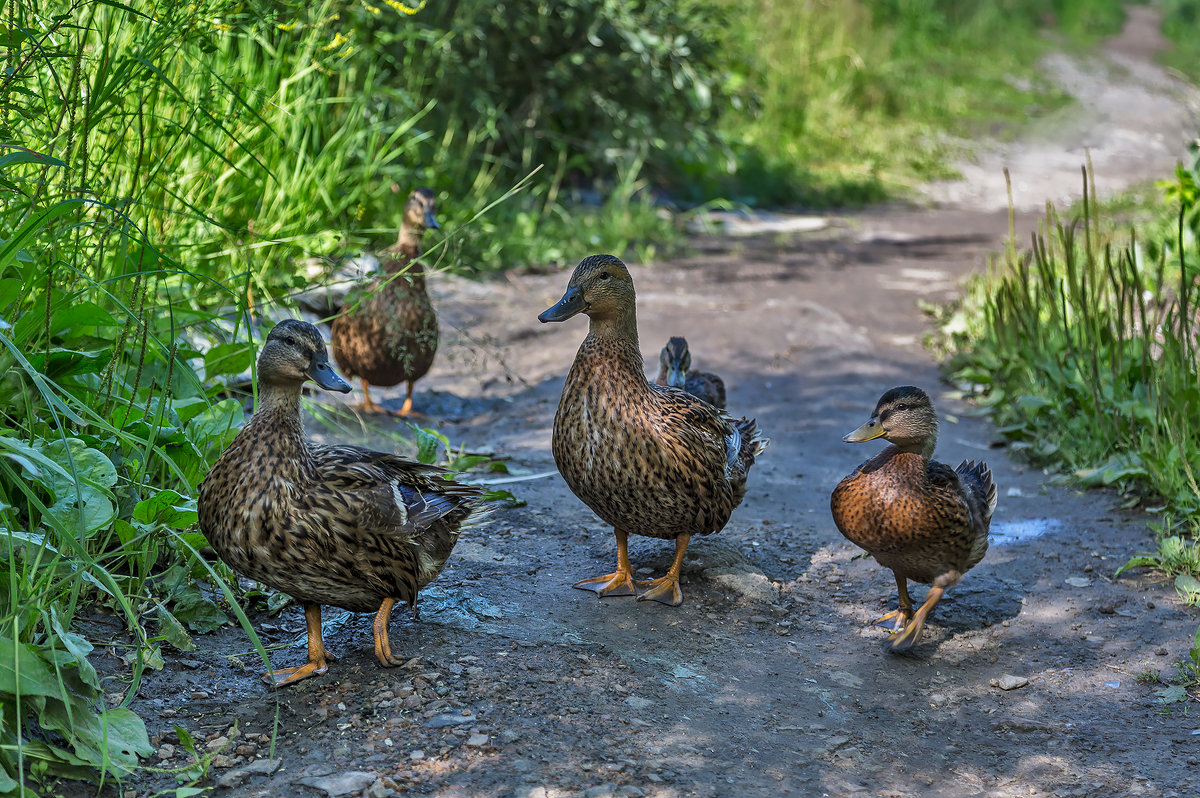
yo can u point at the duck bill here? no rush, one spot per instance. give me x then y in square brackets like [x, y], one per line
[431, 221]
[571, 304]
[867, 432]
[676, 377]
[323, 374]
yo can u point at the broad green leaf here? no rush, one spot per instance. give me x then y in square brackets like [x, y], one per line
[231, 358]
[172, 630]
[8, 39]
[11, 289]
[1188, 588]
[166, 507]
[95, 512]
[91, 466]
[1173, 694]
[78, 648]
[428, 442]
[36, 677]
[216, 425]
[80, 314]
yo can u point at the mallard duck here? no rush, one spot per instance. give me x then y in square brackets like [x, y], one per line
[338, 525]
[922, 519]
[388, 333]
[675, 369]
[650, 460]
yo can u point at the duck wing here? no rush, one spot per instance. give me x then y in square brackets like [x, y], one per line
[390, 505]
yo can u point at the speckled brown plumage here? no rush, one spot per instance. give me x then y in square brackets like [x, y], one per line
[922, 519]
[649, 460]
[675, 369]
[387, 332]
[326, 524]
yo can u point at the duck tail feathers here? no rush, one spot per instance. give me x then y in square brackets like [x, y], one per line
[978, 478]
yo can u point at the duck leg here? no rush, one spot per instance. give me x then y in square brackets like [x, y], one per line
[406, 408]
[666, 588]
[618, 583]
[368, 404]
[895, 620]
[317, 655]
[383, 649]
[899, 642]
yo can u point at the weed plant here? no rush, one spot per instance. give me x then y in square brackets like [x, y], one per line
[1084, 348]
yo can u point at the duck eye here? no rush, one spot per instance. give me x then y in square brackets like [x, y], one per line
[902, 406]
[604, 275]
[290, 341]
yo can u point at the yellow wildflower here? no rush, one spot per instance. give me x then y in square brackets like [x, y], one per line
[222, 26]
[376, 10]
[396, 4]
[338, 41]
[288, 26]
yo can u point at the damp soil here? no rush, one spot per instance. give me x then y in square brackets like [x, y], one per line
[769, 679]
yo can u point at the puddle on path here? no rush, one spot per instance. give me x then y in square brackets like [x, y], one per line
[1018, 531]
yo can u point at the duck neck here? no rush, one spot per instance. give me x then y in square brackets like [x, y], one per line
[279, 408]
[617, 336]
[920, 446]
[406, 254]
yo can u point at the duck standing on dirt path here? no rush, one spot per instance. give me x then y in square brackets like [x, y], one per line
[920, 518]
[338, 525]
[388, 333]
[675, 369]
[649, 460]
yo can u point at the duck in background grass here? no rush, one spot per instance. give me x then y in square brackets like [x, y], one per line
[387, 332]
[647, 459]
[339, 525]
[675, 369]
[920, 518]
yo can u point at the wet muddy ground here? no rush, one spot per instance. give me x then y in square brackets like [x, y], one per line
[769, 679]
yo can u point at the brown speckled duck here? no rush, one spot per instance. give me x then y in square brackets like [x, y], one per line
[338, 525]
[675, 369]
[922, 519]
[649, 460]
[387, 332]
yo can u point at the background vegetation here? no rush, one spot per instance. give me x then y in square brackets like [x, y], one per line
[168, 166]
[1085, 347]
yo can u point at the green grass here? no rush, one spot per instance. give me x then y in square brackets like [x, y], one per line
[1084, 348]
[849, 101]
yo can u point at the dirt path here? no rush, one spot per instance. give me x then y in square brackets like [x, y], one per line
[769, 679]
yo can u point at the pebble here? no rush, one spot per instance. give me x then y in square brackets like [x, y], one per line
[1009, 682]
[166, 751]
[379, 790]
[417, 755]
[601, 791]
[217, 743]
[351, 782]
[223, 761]
[508, 736]
[1078, 581]
[637, 702]
[477, 740]
[449, 719]
[261, 766]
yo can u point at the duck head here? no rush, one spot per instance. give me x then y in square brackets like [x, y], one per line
[904, 417]
[600, 287]
[293, 353]
[419, 210]
[674, 362]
